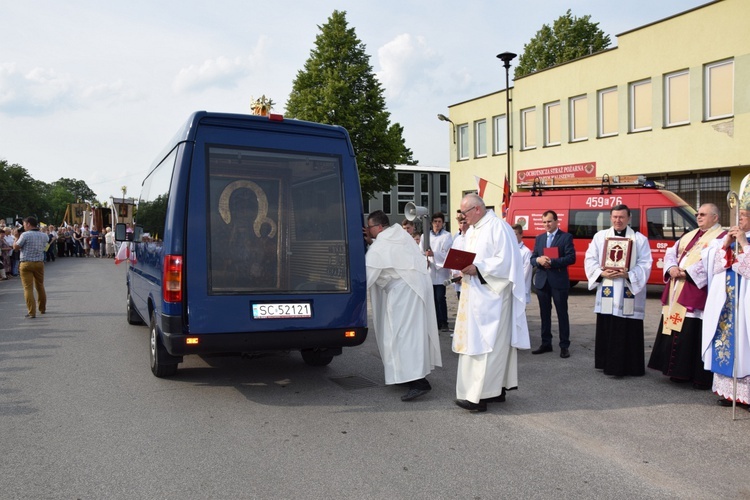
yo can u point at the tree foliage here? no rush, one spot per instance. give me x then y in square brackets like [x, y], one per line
[77, 188]
[337, 86]
[569, 38]
[19, 192]
[22, 195]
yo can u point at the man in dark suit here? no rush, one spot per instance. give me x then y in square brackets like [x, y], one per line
[553, 253]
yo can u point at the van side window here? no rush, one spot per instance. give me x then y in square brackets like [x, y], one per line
[277, 222]
[669, 223]
[586, 223]
[152, 206]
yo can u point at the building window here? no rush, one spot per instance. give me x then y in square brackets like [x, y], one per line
[463, 142]
[480, 138]
[579, 111]
[697, 189]
[719, 90]
[640, 106]
[387, 206]
[424, 190]
[444, 193]
[500, 135]
[405, 189]
[608, 116]
[528, 128]
[677, 98]
[552, 124]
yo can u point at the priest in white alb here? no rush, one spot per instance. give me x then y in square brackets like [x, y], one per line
[726, 319]
[491, 319]
[403, 307]
[620, 304]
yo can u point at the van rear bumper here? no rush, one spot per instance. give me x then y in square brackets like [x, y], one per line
[176, 344]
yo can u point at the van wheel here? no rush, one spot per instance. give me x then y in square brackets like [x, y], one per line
[157, 354]
[133, 317]
[316, 357]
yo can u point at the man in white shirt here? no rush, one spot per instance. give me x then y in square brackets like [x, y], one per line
[440, 243]
[526, 258]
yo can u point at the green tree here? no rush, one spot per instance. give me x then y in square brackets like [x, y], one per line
[569, 38]
[337, 86]
[19, 193]
[79, 189]
[59, 197]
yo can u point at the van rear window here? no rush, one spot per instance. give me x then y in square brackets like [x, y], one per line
[586, 223]
[277, 222]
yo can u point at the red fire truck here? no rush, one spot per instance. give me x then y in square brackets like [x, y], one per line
[582, 206]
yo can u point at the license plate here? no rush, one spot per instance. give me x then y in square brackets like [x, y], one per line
[283, 310]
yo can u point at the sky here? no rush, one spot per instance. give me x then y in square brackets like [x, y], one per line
[93, 90]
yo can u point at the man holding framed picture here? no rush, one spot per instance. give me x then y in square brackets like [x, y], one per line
[618, 263]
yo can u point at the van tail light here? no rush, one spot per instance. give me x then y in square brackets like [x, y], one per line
[171, 284]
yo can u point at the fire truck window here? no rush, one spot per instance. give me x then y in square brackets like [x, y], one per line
[669, 223]
[585, 223]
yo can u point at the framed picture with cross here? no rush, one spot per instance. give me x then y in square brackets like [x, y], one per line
[616, 255]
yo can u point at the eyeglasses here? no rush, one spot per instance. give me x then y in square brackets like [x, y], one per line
[703, 214]
[373, 225]
[463, 212]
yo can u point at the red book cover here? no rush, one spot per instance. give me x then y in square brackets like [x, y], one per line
[552, 252]
[458, 259]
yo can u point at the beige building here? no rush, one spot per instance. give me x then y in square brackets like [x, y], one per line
[671, 101]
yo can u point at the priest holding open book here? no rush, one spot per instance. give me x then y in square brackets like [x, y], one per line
[553, 253]
[491, 319]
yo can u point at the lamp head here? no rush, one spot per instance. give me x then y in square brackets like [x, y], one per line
[506, 57]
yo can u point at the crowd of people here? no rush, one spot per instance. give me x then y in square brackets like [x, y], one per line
[62, 241]
[703, 336]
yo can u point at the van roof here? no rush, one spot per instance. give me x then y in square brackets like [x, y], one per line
[189, 128]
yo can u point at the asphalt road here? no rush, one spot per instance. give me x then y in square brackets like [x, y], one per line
[82, 417]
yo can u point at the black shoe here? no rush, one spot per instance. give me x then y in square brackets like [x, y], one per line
[445, 328]
[564, 352]
[496, 399]
[724, 402]
[414, 393]
[542, 349]
[473, 407]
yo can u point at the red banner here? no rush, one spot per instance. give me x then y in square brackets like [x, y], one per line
[571, 171]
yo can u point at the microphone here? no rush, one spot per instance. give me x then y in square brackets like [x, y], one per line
[450, 281]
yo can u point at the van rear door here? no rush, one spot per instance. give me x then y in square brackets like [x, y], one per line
[267, 225]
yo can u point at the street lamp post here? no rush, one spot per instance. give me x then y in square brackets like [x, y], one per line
[507, 57]
[444, 118]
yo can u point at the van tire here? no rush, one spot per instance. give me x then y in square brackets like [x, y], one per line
[157, 354]
[573, 283]
[133, 317]
[316, 357]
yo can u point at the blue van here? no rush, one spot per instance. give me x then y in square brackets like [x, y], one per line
[248, 237]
